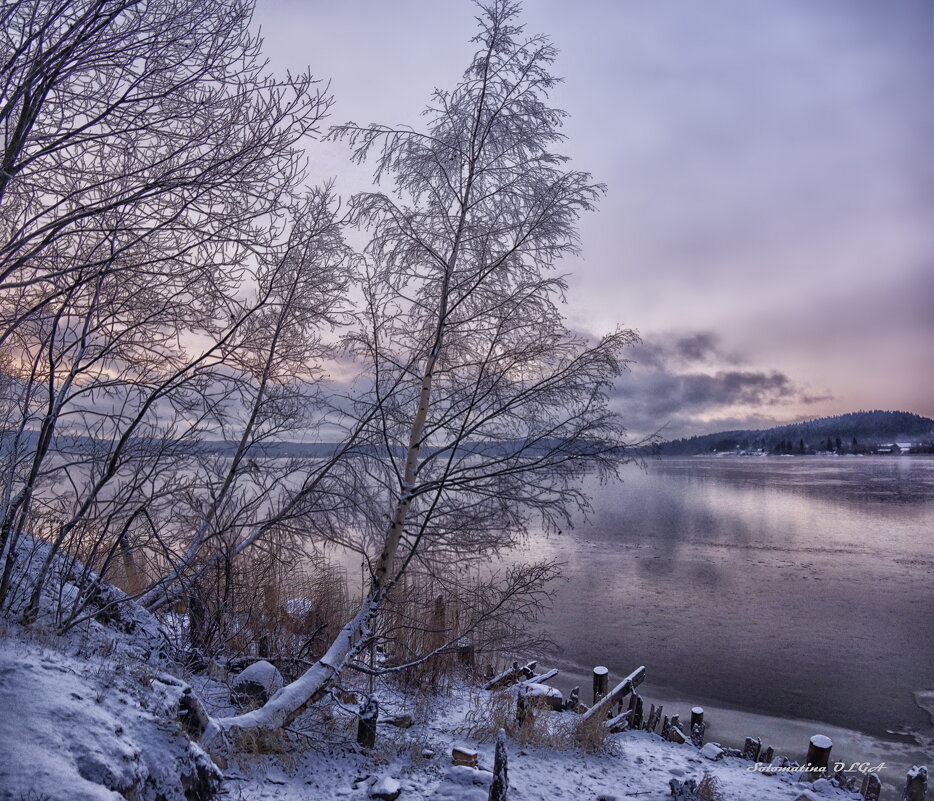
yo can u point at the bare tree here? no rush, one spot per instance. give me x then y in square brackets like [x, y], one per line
[484, 410]
[149, 177]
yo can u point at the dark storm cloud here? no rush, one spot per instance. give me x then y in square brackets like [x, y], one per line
[697, 346]
[683, 382]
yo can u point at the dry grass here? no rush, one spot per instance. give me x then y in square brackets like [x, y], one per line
[541, 726]
[710, 788]
[261, 743]
[592, 736]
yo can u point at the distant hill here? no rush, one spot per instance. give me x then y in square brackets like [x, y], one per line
[856, 432]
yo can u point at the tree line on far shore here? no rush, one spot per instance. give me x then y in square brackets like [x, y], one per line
[853, 433]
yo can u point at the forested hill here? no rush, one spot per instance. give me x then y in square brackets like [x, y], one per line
[856, 432]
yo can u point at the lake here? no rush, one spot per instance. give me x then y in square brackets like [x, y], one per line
[775, 590]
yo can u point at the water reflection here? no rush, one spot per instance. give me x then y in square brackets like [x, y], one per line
[792, 587]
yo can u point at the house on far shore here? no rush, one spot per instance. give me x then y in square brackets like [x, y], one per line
[895, 447]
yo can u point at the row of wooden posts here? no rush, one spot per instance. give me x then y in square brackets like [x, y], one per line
[817, 762]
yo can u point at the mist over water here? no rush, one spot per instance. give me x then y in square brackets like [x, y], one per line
[793, 587]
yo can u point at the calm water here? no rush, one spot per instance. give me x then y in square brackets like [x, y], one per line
[792, 587]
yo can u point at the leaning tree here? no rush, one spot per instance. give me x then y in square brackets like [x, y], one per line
[482, 410]
[153, 245]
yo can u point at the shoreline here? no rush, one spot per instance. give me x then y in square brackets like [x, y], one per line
[730, 724]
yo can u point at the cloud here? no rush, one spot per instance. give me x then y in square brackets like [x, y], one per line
[697, 347]
[687, 383]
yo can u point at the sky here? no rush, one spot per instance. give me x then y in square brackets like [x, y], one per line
[769, 223]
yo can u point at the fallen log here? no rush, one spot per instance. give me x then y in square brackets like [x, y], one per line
[541, 678]
[622, 689]
[675, 735]
[620, 722]
[513, 675]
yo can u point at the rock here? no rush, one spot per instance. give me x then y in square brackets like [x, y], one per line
[202, 780]
[386, 789]
[686, 791]
[543, 695]
[712, 751]
[822, 786]
[255, 685]
[192, 715]
[467, 776]
[404, 721]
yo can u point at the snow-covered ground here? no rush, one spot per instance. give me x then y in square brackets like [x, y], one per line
[87, 717]
[93, 716]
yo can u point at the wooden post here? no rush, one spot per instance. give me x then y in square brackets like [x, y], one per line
[638, 711]
[916, 787]
[872, 787]
[465, 652]
[601, 682]
[366, 724]
[522, 707]
[697, 716]
[573, 700]
[654, 716]
[499, 787]
[752, 747]
[818, 753]
[626, 686]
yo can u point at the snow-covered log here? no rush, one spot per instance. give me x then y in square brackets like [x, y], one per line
[541, 695]
[620, 722]
[289, 702]
[513, 675]
[622, 689]
[541, 678]
[675, 735]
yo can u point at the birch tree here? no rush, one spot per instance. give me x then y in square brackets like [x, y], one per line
[484, 409]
